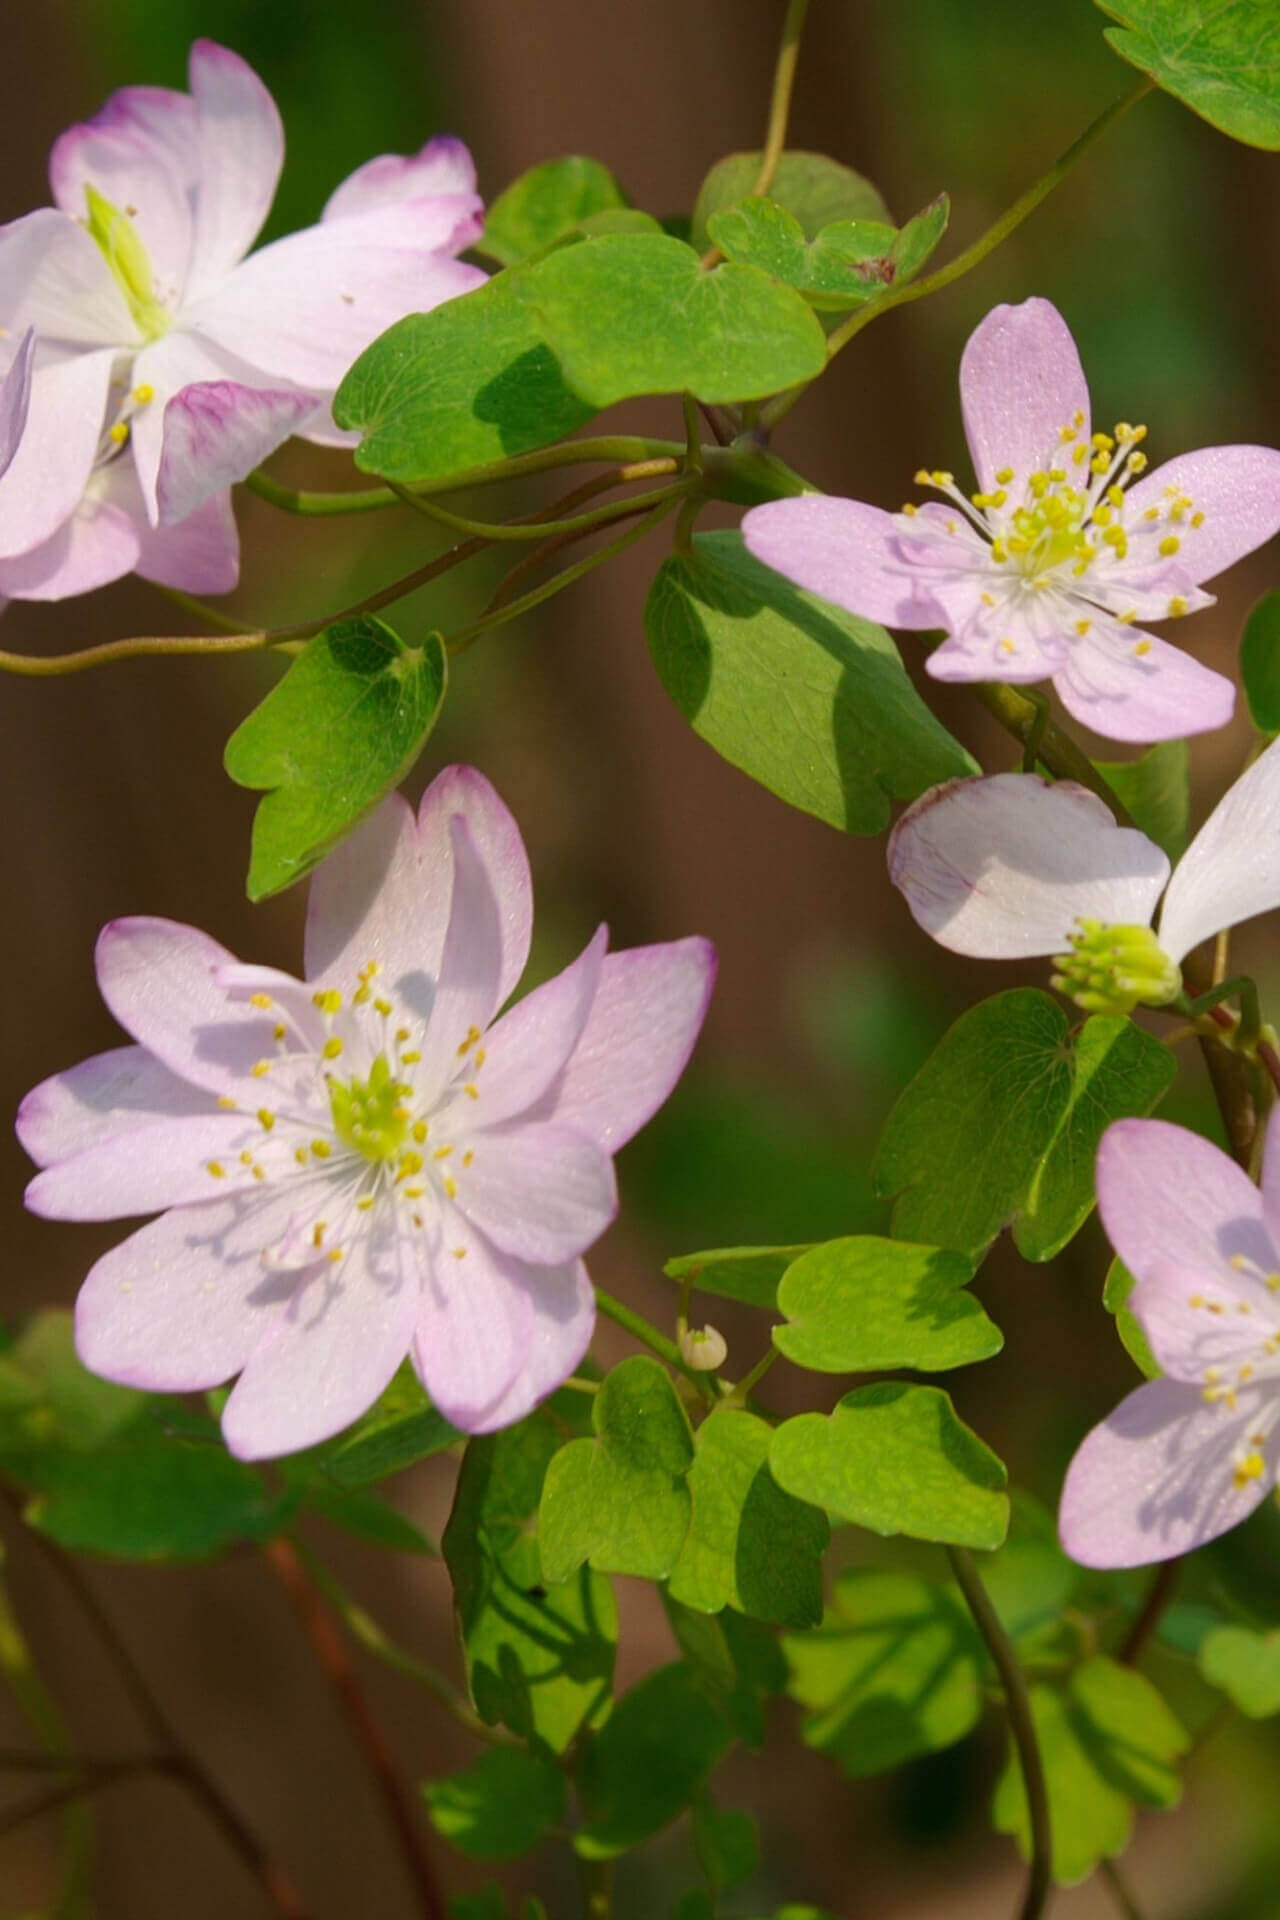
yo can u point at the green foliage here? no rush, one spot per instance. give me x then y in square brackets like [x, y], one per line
[1107, 1739]
[814, 189]
[620, 1500]
[864, 1304]
[501, 1806]
[540, 1659]
[726, 1844]
[628, 314]
[370, 1518]
[811, 701]
[750, 1274]
[896, 1459]
[749, 1544]
[544, 205]
[648, 1761]
[737, 1661]
[1156, 789]
[1260, 662]
[400, 1428]
[1245, 1664]
[850, 262]
[345, 723]
[1003, 1122]
[109, 1471]
[1219, 57]
[1117, 1287]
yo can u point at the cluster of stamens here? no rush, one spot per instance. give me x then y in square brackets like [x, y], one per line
[1113, 969]
[1222, 1384]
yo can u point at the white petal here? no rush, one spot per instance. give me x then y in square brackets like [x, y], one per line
[563, 1304]
[110, 1093]
[474, 1327]
[1020, 382]
[538, 1190]
[52, 463]
[54, 278]
[1231, 870]
[466, 996]
[240, 149]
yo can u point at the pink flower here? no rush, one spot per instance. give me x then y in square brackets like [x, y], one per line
[368, 1164]
[1187, 1456]
[1042, 573]
[169, 365]
[1013, 866]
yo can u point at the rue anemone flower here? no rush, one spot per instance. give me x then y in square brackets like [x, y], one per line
[1047, 571]
[169, 363]
[365, 1163]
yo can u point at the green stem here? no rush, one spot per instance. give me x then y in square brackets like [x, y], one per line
[974, 254]
[618, 449]
[536, 529]
[200, 609]
[1159, 1594]
[312, 503]
[38, 1705]
[53, 666]
[741, 1393]
[784, 74]
[1021, 1725]
[640, 1329]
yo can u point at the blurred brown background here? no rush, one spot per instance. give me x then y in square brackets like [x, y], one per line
[1162, 251]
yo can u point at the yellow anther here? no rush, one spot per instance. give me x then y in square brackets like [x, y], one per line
[1102, 516]
[1197, 519]
[481, 1056]
[988, 599]
[1057, 476]
[143, 395]
[1082, 627]
[459, 1253]
[467, 1157]
[361, 997]
[216, 1168]
[442, 1153]
[952, 526]
[1242, 1306]
[1007, 646]
[262, 1000]
[1197, 1300]
[1151, 513]
[999, 552]
[327, 999]
[364, 1203]
[411, 1059]
[471, 1090]
[119, 433]
[332, 1048]
[260, 1068]
[941, 478]
[246, 1158]
[1066, 434]
[1116, 496]
[1099, 464]
[996, 499]
[1169, 545]
[1143, 648]
[278, 1031]
[225, 1100]
[1177, 607]
[1080, 455]
[335, 1254]
[383, 1007]
[1214, 1306]
[451, 1188]
[300, 1154]
[414, 1193]
[1127, 618]
[410, 1163]
[910, 508]
[1245, 1373]
[321, 1149]
[401, 1035]
[1004, 476]
[259, 1172]
[1103, 442]
[266, 1119]
[420, 1131]
[1252, 1467]
[1077, 418]
[473, 1034]
[922, 477]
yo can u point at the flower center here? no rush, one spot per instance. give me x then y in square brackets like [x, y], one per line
[123, 251]
[370, 1116]
[1113, 969]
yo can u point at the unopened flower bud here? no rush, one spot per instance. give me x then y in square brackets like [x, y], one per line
[703, 1348]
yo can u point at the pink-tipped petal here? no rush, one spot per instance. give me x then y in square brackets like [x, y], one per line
[466, 995]
[51, 464]
[846, 552]
[443, 166]
[162, 369]
[1231, 870]
[173, 1163]
[108, 1094]
[215, 433]
[1160, 694]
[1170, 1199]
[646, 1016]
[200, 555]
[538, 1190]
[54, 278]
[563, 1306]
[139, 153]
[475, 1322]
[1158, 1478]
[1002, 868]
[1237, 489]
[530, 1045]
[240, 150]
[323, 1362]
[15, 398]
[496, 839]
[1021, 382]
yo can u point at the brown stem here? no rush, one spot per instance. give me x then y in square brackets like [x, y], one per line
[330, 1650]
[1159, 1594]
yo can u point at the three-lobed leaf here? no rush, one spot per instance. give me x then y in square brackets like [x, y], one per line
[846, 265]
[648, 1761]
[815, 189]
[749, 1274]
[501, 1806]
[1221, 58]
[865, 1304]
[545, 204]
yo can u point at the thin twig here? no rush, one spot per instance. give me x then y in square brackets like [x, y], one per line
[775, 136]
[1158, 1597]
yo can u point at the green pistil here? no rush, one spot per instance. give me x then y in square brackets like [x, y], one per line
[124, 253]
[1115, 969]
[369, 1115]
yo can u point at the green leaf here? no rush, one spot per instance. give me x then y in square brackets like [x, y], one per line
[470, 382]
[544, 205]
[648, 1761]
[620, 1500]
[811, 701]
[696, 1904]
[345, 723]
[750, 1274]
[726, 1844]
[1221, 58]
[400, 1428]
[896, 1459]
[813, 188]
[749, 1544]
[850, 263]
[1003, 1121]
[370, 1518]
[864, 1304]
[1246, 1666]
[895, 1670]
[1156, 789]
[1119, 1284]
[539, 1659]
[737, 1660]
[489, 1904]
[502, 1805]
[48, 1398]
[1030, 1579]
[1260, 662]
[1106, 1740]
[629, 314]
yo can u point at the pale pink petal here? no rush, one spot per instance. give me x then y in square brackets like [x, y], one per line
[215, 433]
[466, 995]
[163, 369]
[1169, 1198]
[200, 555]
[1021, 382]
[496, 839]
[1160, 694]
[1231, 870]
[538, 1190]
[475, 1322]
[15, 399]
[1143, 587]
[530, 1045]
[307, 306]
[110, 1093]
[54, 278]
[443, 166]
[52, 462]
[178, 1306]
[240, 150]
[1237, 489]
[1205, 1327]
[1002, 868]
[846, 552]
[563, 1319]
[323, 1362]
[647, 1013]
[1010, 641]
[1157, 1478]
[159, 980]
[99, 543]
[167, 1164]
[138, 152]
[1271, 1178]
